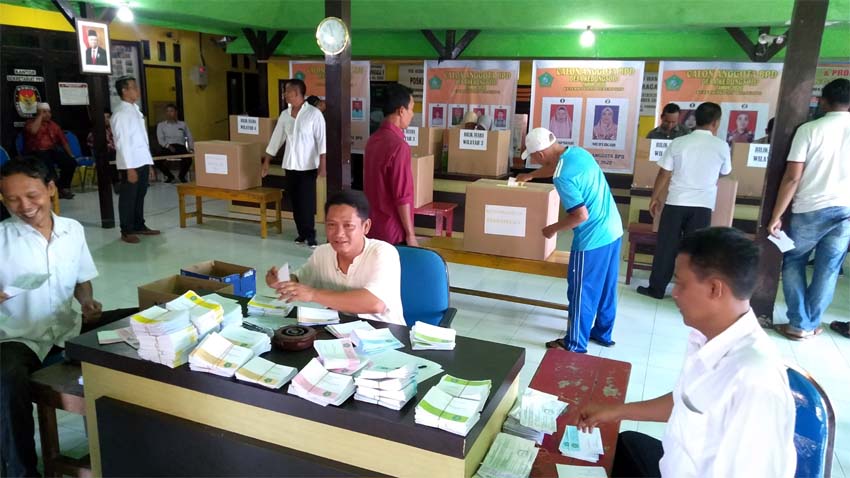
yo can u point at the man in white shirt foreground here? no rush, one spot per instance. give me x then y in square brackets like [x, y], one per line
[35, 317]
[689, 170]
[733, 390]
[351, 273]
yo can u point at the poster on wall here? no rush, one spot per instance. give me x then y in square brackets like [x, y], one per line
[26, 89]
[412, 76]
[126, 61]
[825, 73]
[592, 104]
[746, 92]
[313, 75]
[93, 46]
[649, 93]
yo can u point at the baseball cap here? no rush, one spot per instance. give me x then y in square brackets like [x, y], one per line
[537, 139]
[43, 106]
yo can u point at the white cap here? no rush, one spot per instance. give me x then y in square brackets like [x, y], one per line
[538, 139]
[470, 117]
[43, 106]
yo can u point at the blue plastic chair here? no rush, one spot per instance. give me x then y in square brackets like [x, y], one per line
[19, 143]
[814, 431]
[4, 157]
[84, 163]
[424, 287]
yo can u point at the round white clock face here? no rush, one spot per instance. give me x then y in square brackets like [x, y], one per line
[332, 35]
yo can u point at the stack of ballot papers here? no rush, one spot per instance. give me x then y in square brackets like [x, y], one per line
[311, 316]
[165, 336]
[453, 405]
[581, 445]
[232, 309]
[387, 387]
[339, 356]
[342, 331]
[534, 415]
[508, 457]
[266, 373]
[318, 385]
[430, 337]
[124, 334]
[374, 341]
[477, 390]
[265, 305]
[217, 355]
[205, 315]
[258, 342]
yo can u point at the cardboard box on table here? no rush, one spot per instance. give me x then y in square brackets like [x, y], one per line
[254, 129]
[425, 141]
[164, 290]
[724, 205]
[423, 180]
[228, 164]
[490, 160]
[508, 221]
[646, 168]
[242, 278]
[750, 174]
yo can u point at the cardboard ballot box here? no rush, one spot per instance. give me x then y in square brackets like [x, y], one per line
[425, 141]
[508, 221]
[423, 180]
[647, 154]
[252, 129]
[724, 204]
[242, 278]
[749, 163]
[484, 153]
[228, 164]
[170, 288]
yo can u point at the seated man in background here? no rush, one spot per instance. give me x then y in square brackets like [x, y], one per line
[43, 139]
[46, 264]
[351, 273]
[733, 389]
[174, 137]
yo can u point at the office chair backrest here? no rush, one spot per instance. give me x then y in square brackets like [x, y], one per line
[424, 285]
[4, 157]
[74, 143]
[19, 143]
[814, 431]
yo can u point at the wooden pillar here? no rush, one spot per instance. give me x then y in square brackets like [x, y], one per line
[338, 100]
[795, 91]
[263, 50]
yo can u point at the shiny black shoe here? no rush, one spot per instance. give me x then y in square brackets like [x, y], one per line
[604, 344]
[649, 293]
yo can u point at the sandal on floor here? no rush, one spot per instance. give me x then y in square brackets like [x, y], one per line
[843, 328]
[795, 334]
[555, 344]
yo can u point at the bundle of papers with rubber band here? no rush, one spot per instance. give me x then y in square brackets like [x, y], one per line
[258, 342]
[205, 315]
[342, 331]
[390, 387]
[165, 336]
[321, 386]
[508, 457]
[453, 405]
[266, 373]
[534, 415]
[430, 337]
[218, 356]
[260, 305]
[370, 342]
[339, 356]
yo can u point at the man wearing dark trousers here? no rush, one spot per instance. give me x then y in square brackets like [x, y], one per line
[689, 170]
[174, 137]
[302, 128]
[133, 158]
[46, 141]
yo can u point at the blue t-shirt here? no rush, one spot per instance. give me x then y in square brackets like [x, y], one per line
[580, 182]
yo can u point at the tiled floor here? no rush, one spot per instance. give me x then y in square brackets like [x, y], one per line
[649, 334]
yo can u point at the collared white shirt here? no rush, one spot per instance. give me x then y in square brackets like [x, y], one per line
[824, 146]
[304, 136]
[377, 269]
[732, 397]
[43, 317]
[132, 149]
[697, 160]
[176, 132]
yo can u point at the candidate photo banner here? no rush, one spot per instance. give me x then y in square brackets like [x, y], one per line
[746, 92]
[825, 73]
[592, 104]
[454, 87]
[312, 73]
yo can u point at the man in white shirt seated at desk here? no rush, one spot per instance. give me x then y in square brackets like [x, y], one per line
[45, 265]
[351, 273]
[731, 413]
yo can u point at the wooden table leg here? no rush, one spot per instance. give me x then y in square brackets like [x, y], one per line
[631, 264]
[181, 201]
[49, 432]
[199, 209]
[277, 215]
[263, 219]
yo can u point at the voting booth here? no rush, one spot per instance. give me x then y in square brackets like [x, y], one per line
[508, 221]
[425, 141]
[483, 153]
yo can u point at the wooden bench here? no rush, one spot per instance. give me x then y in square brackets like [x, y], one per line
[443, 213]
[57, 387]
[261, 196]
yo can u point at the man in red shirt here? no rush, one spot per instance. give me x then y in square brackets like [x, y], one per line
[42, 139]
[387, 173]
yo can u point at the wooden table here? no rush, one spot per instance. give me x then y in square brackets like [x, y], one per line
[579, 379]
[261, 196]
[452, 251]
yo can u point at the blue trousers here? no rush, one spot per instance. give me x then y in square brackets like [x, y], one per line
[592, 292]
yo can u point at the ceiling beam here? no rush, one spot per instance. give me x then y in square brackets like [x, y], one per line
[758, 52]
[65, 9]
[262, 46]
[450, 50]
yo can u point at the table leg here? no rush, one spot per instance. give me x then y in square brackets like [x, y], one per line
[277, 208]
[199, 209]
[181, 201]
[49, 432]
[630, 266]
[263, 219]
[438, 224]
[450, 219]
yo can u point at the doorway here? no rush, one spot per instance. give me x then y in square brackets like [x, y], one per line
[164, 86]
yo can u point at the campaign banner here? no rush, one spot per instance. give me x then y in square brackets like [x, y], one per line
[313, 75]
[746, 92]
[592, 104]
[825, 73]
[412, 76]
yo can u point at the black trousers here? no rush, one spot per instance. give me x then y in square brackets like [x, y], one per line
[637, 456]
[131, 201]
[17, 431]
[301, 188]
[55, 159]
[185, 163]
[676, 222]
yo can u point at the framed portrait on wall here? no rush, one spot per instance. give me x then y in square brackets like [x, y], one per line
[93, 46]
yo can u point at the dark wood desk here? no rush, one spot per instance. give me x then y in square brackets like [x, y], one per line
[355, 434]
[579, 379]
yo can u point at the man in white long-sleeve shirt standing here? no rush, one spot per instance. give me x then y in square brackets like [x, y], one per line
[302, 127]
[133, 159]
